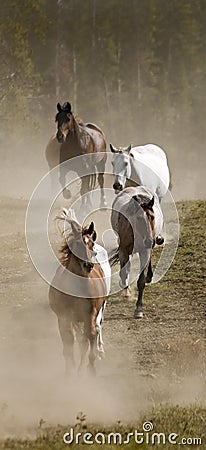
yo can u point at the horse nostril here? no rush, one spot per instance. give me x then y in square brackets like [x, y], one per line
[59, 137]
[88, 266]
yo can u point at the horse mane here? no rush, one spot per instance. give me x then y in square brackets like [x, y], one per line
[78, 120]
[69, 216]
[65, 249]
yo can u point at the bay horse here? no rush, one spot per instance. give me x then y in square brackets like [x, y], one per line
[79, 257]
[137, 219]
[75, 138]
[144, 165]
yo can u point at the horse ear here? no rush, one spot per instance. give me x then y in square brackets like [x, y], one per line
[59, 108]
[94, 236]
[127, 150]
[91, 228]
[151, 203]
[76, 230]
[67, 107]
[113, 149]
[148, 205]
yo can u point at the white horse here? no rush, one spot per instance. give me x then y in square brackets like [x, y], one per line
[144, 165]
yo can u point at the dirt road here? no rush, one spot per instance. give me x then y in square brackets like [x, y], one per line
[158, 359]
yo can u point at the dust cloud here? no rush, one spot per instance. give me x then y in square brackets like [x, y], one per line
[24, 165]
[33, 385]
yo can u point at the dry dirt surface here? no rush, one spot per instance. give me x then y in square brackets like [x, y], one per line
[157, 360]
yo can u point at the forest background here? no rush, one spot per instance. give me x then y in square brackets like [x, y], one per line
[135, 67]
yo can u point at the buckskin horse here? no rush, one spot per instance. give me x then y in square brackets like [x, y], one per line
[137, 219]
[75, 138]
[92, 274]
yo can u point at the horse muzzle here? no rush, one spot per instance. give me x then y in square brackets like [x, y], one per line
[148, 243]
[60, 137]
[87, 266]
[117, 187]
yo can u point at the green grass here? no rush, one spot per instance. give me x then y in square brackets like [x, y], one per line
[184, 422]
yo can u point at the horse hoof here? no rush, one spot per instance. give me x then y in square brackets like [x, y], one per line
[127, 292]
[103, 204]
[138, 314]
[92, 371]
[67, 194]
[122, 285]
[149, 279]
[159, 240]
[101, 355]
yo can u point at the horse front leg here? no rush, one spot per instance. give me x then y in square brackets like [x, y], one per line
[86, 199]
[62, 179]
[99, 340]
[66, 333]
[149, 272]
[145, 274]
[124, 271]
[91, 333]
[101, 170]
[83, 345]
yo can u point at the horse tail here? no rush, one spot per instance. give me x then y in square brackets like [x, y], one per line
[113, 257]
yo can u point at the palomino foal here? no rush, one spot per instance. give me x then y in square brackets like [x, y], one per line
[80, 266]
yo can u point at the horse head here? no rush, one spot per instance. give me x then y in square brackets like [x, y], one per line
[78, 241]
[144, 215]
[148, 208]
[82, 246]
[121, 166]
[64, 121]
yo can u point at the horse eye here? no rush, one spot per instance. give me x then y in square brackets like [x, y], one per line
[112, 162]
[126, 163]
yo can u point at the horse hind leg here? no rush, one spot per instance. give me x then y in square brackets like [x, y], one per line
[124, 272]
[67, 336]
